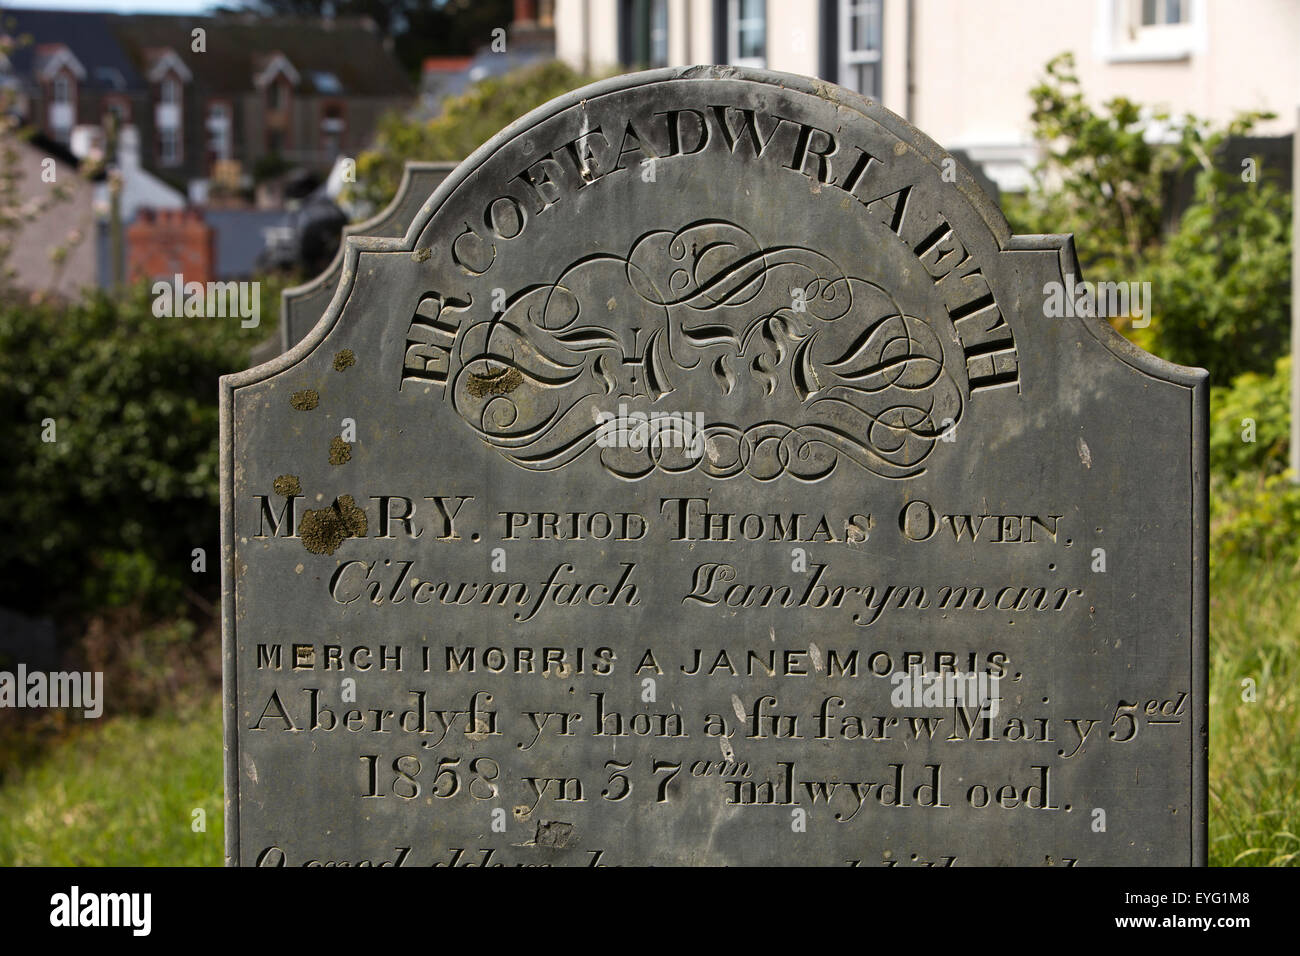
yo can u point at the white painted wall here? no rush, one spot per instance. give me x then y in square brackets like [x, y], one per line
[586, 33]
[975, 62]
[793, 36]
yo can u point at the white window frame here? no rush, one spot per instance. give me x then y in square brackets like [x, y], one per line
[849, 56]
[63, 105]
[1162, 7]
[169, 146]
[1121, 36]
[218, 125]
[734, 29]
[170, 92]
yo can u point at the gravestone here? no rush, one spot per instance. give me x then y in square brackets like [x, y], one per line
[303, 305]
[709, 477]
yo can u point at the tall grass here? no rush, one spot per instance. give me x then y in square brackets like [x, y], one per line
[1254, 747]
[121, 794]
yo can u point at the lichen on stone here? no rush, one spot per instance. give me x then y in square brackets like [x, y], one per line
[344, 359]
[287, 485]
[323, 529]
[494, 381]
[305, 400]
[340, 451]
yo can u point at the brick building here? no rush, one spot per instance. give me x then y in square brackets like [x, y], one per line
[224, 95]
[169, 242]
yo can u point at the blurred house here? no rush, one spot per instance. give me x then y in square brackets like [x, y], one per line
[962, 71]
[212, 97]
[66, 223]
[211, 115]
[530, 39]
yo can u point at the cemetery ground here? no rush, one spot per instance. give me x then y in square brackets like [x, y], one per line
[136, 405]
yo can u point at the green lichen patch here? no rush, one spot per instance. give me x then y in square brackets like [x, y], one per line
[344, 359]
[287, 485]
[495, 381]
[305, 400]
[340, 451]
[323, 529]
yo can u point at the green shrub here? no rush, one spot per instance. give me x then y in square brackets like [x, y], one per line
[1261, 401]
[465, 123]
[110, 511]
[1221, 283]
[1220, 280]
[1255, 507]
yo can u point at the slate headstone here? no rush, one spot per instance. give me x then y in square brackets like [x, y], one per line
[705, 478]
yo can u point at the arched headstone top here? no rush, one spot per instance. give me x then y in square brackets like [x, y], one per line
[717, 209]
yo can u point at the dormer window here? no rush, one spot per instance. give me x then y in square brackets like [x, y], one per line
[332, 128]
[169, 117]
[63, 106]
[169, 74]
[59, 72]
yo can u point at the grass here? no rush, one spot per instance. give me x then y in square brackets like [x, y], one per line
[1254, 746]
[121, 794]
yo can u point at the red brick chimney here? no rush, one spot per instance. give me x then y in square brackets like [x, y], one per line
[526, 12]
[163, 243]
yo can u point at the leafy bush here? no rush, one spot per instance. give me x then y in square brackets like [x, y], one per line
[109, 512]
[1255, 507]
[1220, 286]
[1100, 178]
[1261, 401]
[465, 123]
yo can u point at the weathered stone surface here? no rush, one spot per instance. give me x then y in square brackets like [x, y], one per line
[512, 630]
[303, 305]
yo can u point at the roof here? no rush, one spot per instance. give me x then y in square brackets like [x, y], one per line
[86, 35]
[240, 47]
[241, 236]
[344, 57]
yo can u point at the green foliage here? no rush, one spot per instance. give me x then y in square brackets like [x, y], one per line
[1220, 281]
[1264, 400]
[1221, 284]
[1100, 178]
[1254, 749]
[465, 124]
[1255, 507]
[269, 165]
[122, 794]
[111, 510]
